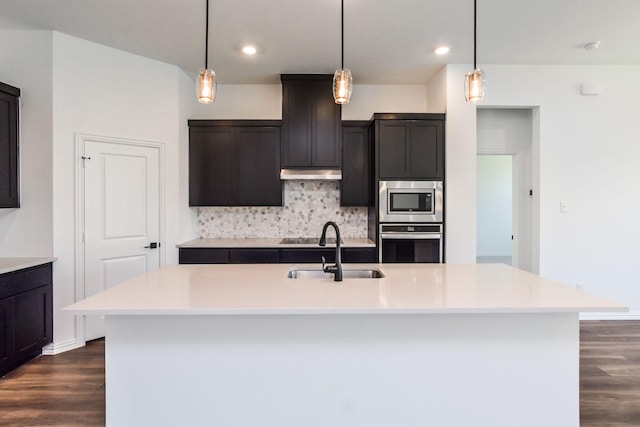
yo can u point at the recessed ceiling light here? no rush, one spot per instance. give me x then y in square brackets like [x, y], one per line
[442, 50]
[249, 50]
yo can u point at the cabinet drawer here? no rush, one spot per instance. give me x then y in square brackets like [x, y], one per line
[355, 255]
[20, 281]
[307, 255]
[253, 256]
[203, 256]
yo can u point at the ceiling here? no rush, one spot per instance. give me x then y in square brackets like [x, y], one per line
[386, 42]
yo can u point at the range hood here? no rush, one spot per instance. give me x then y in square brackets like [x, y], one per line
[312, 174]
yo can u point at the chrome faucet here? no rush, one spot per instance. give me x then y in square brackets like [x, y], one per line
[337, 268]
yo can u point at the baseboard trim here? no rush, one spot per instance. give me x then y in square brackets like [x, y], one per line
[631, 315]
[57, 348]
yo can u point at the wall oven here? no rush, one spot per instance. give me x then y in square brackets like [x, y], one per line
[411, 222]
[411, 243]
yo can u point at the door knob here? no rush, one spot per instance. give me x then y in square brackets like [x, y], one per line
[153, 245]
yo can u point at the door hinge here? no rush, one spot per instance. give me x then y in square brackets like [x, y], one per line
[83, 159]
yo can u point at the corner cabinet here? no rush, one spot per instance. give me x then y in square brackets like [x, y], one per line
[311, 122]
[234, 163]
[355, 186]
[410, 146]
[9, 128]
[26, 315]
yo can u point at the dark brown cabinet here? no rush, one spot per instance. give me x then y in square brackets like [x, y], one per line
[234, 163]
[410, 146]
[9, 117]
[311, 122]
[355, 186]
[273, 255]
[26, 315]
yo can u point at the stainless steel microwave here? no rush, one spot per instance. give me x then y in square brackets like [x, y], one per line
[410, 201]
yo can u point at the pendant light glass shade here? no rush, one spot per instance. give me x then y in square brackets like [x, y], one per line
[474, 83]
[342, 85]
[206, 86]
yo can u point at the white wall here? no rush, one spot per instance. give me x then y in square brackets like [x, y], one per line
[437, 92]
[26, 63]
[265, 102]
[588, 151]
[103, 91]
[369, 99]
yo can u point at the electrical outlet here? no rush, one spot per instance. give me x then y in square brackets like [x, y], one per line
[580, 286]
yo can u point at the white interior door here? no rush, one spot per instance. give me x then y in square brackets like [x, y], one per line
[121, 217]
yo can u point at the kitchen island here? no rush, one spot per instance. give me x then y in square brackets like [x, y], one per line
[426, 345]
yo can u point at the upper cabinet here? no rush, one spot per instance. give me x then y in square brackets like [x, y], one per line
[410, 146]
[355, 186]
[9, 117]
[234, 163]
[311, 122]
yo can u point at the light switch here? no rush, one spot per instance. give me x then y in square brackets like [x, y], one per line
[564, 207]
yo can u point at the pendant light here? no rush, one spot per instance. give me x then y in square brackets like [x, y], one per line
[474, 81]
[342, 80]
[206, 85]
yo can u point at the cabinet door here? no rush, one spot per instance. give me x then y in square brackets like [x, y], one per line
[297, 112]
[326, 127]
[258, 171]
[394, 137]
[7, 337]
[212, 168]
[426, 157]
[9, 151]
[311, 123]
[33, 314]
[356, 179]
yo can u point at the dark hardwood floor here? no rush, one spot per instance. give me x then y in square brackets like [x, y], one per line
[68, 389]
[609, 373]
[62, 390]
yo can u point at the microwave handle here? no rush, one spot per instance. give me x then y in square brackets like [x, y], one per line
[415, 236]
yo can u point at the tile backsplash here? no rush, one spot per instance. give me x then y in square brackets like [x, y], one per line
[307, 206]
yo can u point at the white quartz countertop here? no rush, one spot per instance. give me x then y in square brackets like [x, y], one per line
[7, 265]
[270, 243]
[406, 288]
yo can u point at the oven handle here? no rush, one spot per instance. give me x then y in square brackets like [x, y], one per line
[413, 236]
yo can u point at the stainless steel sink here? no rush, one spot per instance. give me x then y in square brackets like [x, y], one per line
[347, 273]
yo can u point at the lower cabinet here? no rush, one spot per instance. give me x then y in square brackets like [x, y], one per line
[26, 315]
[273, 255]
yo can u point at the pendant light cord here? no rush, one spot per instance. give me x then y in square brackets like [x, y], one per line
[206, 41]
[475, 33]
[342, 33]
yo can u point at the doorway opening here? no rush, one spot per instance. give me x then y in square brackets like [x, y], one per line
[507, 205]
[494, 227]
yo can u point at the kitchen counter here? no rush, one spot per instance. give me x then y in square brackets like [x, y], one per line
[8, 264]
[406, 288]
[243, 345]
[270, 243]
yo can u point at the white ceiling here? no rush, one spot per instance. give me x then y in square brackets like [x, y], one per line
[386, 41]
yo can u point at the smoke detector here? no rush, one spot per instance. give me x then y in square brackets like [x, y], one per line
[592, 45]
